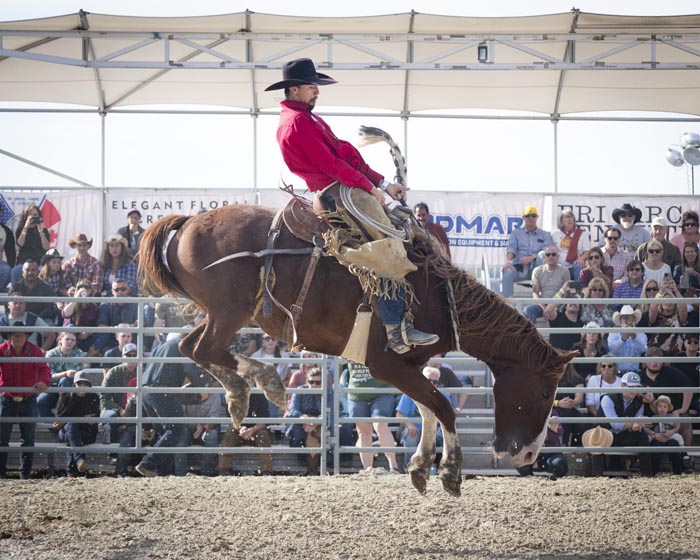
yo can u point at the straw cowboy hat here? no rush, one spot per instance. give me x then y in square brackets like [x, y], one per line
[597, 437]
[299, 72]
[80, 238]
[625, 311]
[116, 238]
[627, 207]
[662, 398]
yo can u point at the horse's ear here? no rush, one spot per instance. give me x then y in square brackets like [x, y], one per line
[565, 358]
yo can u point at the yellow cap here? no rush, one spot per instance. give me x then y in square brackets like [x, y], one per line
[530, 210]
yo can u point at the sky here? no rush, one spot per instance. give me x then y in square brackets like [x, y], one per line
[489, 156]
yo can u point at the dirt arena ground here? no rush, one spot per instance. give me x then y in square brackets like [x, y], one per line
[349, 517]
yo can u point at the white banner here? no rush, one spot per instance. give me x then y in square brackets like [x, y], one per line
[156, 204]
[595, 213]
[478, 224]
[65, 214]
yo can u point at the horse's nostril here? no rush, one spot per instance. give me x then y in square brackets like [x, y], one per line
[528, 458]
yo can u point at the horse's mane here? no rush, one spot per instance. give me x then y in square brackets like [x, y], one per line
[489, 329]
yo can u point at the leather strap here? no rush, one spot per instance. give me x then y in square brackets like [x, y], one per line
[272, 236]
[262, 253]
[298, 306]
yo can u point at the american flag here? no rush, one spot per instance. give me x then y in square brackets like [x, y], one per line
[6, 212]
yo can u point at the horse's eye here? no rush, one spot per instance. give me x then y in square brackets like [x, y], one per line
[545, 395]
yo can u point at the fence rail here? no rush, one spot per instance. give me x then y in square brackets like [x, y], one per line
[331, 436]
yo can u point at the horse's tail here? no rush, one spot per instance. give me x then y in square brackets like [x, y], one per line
[155, 276]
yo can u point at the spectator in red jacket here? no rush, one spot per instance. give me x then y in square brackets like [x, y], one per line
[36, 377]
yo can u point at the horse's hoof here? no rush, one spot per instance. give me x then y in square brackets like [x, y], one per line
[237, 408]
[266, 379]
[451, 486]
[419, 481]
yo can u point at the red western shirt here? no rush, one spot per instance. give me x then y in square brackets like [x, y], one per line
[22, 374]
[314, 153]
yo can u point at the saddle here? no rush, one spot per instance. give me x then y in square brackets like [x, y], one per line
[302, 221]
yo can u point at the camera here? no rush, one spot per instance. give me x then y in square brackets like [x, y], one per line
[667, 276]
[575, 286]
[35, 220]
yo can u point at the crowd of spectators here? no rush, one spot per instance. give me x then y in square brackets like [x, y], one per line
[632, 263]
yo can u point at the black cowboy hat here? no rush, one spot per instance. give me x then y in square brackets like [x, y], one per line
[19, 328]
[50, 254]
[627, 207]
[299, 72]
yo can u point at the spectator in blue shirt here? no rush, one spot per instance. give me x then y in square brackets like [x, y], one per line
[635, 280]
[524, 251]
[628, 344]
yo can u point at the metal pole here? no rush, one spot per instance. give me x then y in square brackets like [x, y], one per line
[555, 122]
[692, 179]
[103, 162]
[255, 158]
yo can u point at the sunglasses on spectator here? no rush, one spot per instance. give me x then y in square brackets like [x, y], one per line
[654, 251]
[607, 366]
[313, 381]
[690, 224]
[120, 289]
[594, 258]
[612, 238]
[130, 355]
[634, 270]
[597, 289]
[533, 216]
[266, 338]
[434, 381]
[652, 289]
[626, 214]
[691, 341]
[551, 254]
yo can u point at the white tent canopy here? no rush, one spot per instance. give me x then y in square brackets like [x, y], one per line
[411, 62]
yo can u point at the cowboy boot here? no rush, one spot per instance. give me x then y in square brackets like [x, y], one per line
[403, 336]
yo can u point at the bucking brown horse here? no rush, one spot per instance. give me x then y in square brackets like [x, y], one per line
[175, 251]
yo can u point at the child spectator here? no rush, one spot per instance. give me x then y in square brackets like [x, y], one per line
[664, 434]
[52, 273]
